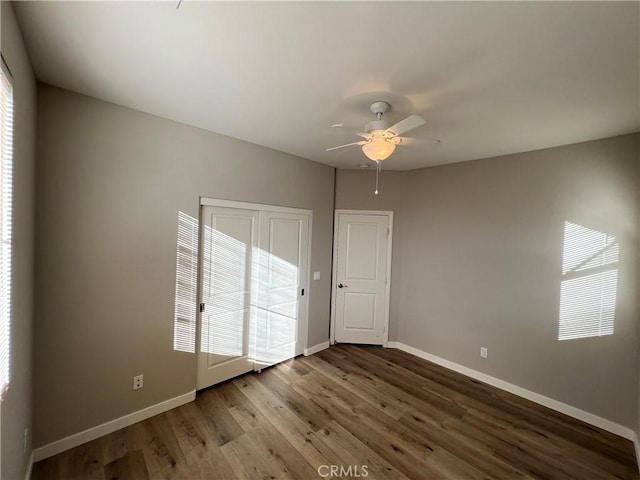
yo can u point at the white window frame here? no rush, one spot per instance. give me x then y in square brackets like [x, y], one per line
[6, 212]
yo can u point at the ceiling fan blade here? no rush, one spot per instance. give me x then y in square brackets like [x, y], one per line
[347, 145]
[419, 141]
[405, 125]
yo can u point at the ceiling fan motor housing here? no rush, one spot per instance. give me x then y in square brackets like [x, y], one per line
[376, 125]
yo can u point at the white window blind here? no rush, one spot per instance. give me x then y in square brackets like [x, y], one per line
[6, 197]
[590, 283]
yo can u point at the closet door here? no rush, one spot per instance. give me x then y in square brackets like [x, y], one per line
[281, 293]
[229, 237]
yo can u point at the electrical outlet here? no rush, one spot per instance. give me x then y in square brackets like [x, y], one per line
[26, 436]
[483, 352]
[137, 382]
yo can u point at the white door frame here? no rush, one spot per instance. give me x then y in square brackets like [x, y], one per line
[337, 213]
[216, 202]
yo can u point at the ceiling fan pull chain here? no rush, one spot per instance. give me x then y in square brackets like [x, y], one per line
[377, 175]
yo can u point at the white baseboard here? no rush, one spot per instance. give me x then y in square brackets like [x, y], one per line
[574, 412]
[636, 444]
[27, 475]
[316, 348]
[85, 436]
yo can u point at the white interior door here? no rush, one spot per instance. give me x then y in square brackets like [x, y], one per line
[229, 237]
[282, 283]
[361, 276]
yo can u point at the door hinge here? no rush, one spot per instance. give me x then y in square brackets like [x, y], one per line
[202, 307]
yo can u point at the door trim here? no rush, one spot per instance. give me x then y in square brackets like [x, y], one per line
[219, 202]
[216, 202]
[334, 272]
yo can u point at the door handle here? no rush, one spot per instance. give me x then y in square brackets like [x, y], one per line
[342, 286]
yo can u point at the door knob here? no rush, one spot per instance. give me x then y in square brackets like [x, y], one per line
[342, 286]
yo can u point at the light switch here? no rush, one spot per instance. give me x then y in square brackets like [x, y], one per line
[316, 275]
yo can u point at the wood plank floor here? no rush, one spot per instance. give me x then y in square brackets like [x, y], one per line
[371, 412]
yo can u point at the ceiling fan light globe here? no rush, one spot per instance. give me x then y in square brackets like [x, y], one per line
[378, 149]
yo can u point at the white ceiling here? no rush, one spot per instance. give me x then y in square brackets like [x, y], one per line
[489, 78]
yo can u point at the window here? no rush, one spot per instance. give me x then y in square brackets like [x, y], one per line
[6, 187]
[588, 288]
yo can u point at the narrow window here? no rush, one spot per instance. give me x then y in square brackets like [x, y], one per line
[6, 187]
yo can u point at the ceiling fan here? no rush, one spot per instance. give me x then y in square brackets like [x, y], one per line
[380, 139]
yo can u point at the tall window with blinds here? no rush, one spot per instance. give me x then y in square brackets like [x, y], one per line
[589, 283]
[6, 197]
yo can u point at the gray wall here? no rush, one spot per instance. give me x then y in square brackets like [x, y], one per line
[17, 405]
[110, 184]
[481, 263]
